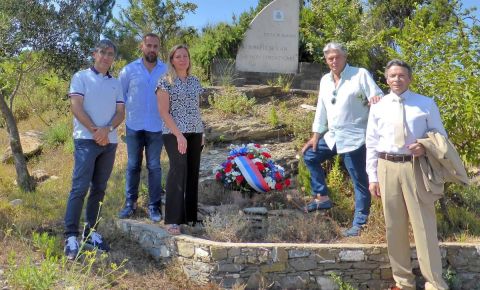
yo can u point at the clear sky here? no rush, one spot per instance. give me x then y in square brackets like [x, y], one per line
[214, 11]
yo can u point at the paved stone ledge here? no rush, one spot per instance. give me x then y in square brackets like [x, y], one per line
[292, 266]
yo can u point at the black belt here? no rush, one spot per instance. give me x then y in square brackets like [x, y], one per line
[395, 157]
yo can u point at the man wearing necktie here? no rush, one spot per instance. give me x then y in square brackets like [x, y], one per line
[394, 125]
[339, 128]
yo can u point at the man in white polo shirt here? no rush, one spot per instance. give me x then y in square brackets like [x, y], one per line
[98, 108]
[394, 126]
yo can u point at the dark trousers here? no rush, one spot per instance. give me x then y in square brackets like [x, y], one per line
[93, 166]
[182, 181]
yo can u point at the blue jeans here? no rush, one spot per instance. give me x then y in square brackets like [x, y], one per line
[355, 163]
[153, 143]
[92, 169]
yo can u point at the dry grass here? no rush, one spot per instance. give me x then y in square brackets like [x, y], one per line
[302, 228]
[228, 224]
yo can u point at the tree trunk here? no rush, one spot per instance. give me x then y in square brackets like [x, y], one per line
[24, 180]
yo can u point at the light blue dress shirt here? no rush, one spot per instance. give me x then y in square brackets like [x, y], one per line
[342, 112]
[138, 84]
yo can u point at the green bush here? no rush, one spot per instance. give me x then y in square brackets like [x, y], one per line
[273, 117]
[231, 101]
[303, 178]
[58, 134]
[29, 274]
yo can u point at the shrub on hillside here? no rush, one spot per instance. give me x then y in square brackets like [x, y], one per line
[58, 134]
[230, 101]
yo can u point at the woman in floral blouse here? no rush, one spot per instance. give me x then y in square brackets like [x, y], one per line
[178, 97]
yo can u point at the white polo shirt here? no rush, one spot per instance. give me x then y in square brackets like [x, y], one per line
[101, 94]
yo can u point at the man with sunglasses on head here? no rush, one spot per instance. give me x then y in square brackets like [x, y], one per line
[339, 128]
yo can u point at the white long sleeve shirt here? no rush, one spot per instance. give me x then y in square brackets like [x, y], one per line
[421, 116]
[345, 119]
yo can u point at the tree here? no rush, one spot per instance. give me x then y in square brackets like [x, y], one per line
[444, 52]
[162, 17]
[35, 33]
[323, 21]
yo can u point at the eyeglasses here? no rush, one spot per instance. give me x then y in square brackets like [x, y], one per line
[107, 54]
[334, 98]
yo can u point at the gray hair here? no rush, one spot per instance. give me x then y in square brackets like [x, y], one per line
[334, 46]
[397, 62]
[105, 43]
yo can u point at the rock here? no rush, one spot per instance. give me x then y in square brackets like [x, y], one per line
[31, 145]
[326, 283]
[308, 107]
[16, 202]
[352, 256]
[256, 210]
[260, 91]
[293, 213]
[256, 281]
[40, 175]
[249, 129]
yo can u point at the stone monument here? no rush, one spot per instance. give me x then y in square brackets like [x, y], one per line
[270, 44]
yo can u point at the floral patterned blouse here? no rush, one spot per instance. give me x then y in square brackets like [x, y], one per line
[184, 103]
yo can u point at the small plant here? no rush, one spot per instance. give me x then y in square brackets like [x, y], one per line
[33, 275]
[231, 101]
[451, 278]
[58, 134]
[46, 244]
[340, 190]
[300, 126]
[283, 81]
[273, 117]
[341, 284]
[303, 177]
[226, 72]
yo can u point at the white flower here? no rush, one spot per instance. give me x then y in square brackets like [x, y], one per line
[270, 181]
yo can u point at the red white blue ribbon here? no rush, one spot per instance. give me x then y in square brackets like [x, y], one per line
[251, 174]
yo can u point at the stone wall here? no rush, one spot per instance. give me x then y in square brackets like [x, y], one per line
[293, 266]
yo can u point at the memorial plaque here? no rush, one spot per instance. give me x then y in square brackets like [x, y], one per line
[271, 42]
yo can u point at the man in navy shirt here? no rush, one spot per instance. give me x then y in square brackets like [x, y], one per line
[98, 108]
[143, 126]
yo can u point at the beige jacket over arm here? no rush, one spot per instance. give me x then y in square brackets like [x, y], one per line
[441, 163]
